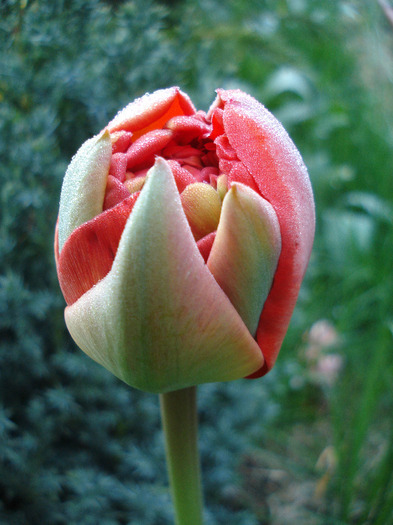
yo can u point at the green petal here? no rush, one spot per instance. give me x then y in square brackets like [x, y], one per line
[83, 190]
[245, 252]
[159, 320]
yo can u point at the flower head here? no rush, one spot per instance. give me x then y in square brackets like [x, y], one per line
[182, 240]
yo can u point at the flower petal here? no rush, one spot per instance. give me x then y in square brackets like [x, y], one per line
[202, 206]
[159, 320]
[245, 253]
[88, 253]
[115, 192]
[146, 147]
[83, 190]
[152, 111]
[272, 159]
[205, 245]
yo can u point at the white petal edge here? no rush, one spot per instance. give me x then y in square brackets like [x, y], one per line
[84, 184]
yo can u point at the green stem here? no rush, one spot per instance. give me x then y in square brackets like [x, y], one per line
[179, 419]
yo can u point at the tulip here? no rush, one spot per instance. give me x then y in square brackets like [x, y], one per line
[181, 243]
[182, 240]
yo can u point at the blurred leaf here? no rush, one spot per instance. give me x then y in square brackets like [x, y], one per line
[373, 205]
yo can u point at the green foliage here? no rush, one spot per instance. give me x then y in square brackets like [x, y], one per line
[77, 446]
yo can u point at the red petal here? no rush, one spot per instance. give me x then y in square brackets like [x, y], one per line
[115, 192]
[175, 151]
[276, 166]
[239, 173]
[205, 245]
[152, 111]
[142, 151]
[88, 253]
[182, 176]
[118, 166]
[224, 149]
[217, 125]
[187, 128]
[121, 141]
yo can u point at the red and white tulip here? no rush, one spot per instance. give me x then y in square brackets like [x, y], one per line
[182, 240]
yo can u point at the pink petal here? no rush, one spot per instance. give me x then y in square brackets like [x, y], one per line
[121, 141]
[205, 245]
[142, 151]
[152, 111]
[239, 173]
[115, 193]
[118, 166]
[272, 159]
[187, 128]
[88, 254]
[182, 176]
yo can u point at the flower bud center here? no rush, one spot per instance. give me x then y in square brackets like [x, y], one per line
[186, 143]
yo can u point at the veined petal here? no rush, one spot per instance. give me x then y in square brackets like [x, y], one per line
[159, 320]
[83, 190]
[152, 111]
[272, 159]
[245, 252]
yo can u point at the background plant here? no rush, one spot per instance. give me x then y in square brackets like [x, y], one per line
[311, 441]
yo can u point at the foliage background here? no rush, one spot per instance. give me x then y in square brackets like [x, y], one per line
[313, 441]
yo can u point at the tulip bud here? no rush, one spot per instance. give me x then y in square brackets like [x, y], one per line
[182, 241]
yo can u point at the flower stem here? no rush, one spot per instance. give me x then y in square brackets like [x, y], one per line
[179, 418]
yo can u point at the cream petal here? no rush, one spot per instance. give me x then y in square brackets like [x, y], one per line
[202, 206]
[245, 252]
[83, 190]
[159, 320]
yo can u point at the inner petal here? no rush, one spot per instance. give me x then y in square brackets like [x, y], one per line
[202, 206]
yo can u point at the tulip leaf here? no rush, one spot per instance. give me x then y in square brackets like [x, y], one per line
[83, 191]
[159, 320]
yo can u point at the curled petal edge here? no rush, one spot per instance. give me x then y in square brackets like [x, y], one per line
[152, 111]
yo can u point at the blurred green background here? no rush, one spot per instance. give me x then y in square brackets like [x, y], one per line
[312, 442]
